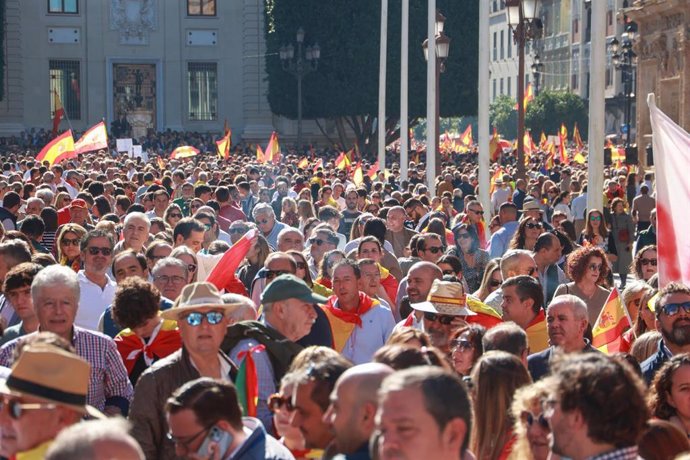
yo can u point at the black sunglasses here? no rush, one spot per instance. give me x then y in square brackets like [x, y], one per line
[94, 250]
[672, 309]
[16, 408]
[434, 249]
[276, 402]
[532, 225]
[443, 319]
[238, 230]
[651, 262]
[270, 274]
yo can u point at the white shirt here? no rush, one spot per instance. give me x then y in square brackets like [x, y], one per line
[93, 301]
[578, 207]
[499, 197]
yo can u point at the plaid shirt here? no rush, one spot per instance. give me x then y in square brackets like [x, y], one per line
[108, 383]
[625, 453]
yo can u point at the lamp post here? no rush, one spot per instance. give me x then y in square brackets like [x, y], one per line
[625, 59]
[537, 69]
[522, 19]
[442, 49]
[305, 62]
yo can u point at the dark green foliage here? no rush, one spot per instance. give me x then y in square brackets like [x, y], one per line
[548, 110]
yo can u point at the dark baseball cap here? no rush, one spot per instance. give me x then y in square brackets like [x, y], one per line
[289, 287]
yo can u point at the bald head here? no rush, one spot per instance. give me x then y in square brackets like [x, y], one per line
[419, 280]
[396, 218]
[364, 380]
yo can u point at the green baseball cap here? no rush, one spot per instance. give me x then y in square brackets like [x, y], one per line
[289, 287]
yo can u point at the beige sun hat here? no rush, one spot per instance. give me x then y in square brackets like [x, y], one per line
[445, 298]
[195, 296]
[53, 375]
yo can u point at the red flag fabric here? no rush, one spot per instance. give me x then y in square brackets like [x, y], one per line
[223, 274]
[613, 321]
[671, 145]
[94, 138]
[59, 112]
[248, 381]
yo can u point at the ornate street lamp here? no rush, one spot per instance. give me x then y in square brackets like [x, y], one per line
[305, 62]
[625, 60]
[523, 20]
[537, 69]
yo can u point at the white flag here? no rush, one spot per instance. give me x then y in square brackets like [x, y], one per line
[672, 161]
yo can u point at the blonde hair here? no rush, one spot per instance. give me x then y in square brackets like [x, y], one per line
[68, 228]
[525, 399]
[645, 345]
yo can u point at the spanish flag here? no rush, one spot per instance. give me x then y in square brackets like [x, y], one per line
[247, 381]
[273, 149]
[466, 137]
[529, 97]
[223, 145]
[318, 165]
[59, 149]
[563, 139]
[498, 174]
[577, 139]
[495, 148]
[95, 138]
[373, 170]
[343, 161]
[358, 176]
[613, 321]
[343, 323]
[303, 163]
[543, 142]
[185, 151]
[260, 157]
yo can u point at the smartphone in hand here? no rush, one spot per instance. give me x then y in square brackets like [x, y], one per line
[221, 438]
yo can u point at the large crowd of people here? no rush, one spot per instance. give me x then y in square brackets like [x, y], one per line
[213, 308]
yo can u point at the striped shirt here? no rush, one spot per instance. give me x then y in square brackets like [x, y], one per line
[109, 384]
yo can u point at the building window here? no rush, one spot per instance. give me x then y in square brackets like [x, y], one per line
[63, 6]
[493, 97]
[201, 7]
[510, 45]
[495, 48]
[502, 49]
[576, 26]
[510, 92]
[202, 80]
[609, 77]
[501, 85]
[65, 82]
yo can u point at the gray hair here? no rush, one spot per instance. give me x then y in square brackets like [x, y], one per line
[287, 230]
[55, 275]
[511, 259]
[576, 304]
[80, 441]
[166, 262]
[137, 215]
[245, 310]
[35, 199]
[263, 208]
[46, 195]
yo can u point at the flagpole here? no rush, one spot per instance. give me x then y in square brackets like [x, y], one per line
[382, 86]
[595, 184]
[404, 57]
[483, 109]
[431, 121]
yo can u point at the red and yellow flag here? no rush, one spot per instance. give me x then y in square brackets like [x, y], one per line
[358, 175]
[59, 111]
[186, 151]
[563, 139]
[498, 174]
[247, 381]
[373, 170]
[529, 96]
[59, 149]
[223, 145]
[579, 145]
[95, 138]
[495, 148]
[303, 163]
[273, 149]
[161, 163]
[613, 321]
[543, 142]
[260, 157]
[343, 161]
[318, 164]
[466, 137]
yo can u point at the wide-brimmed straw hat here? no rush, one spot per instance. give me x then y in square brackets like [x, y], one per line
[196, 296]
[445, 298]
[53, 375]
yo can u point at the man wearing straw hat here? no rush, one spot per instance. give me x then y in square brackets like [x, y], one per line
[44, 393]
[443, 311]
[202, 319]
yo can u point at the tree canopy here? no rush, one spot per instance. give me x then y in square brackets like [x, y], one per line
[549, 109]
[346, 82]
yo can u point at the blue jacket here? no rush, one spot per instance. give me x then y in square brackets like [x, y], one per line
[539, 364]
[652, 364]
[260, 445]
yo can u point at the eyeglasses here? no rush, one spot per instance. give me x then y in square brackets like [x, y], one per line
[478, 212]
[270, 274]
[195, 318]
[672, 309]
[191, 268]
[595, 218]
[318, 242]
[175, 215]
[529, 418]
[443, 319]
[495, 283]
[533, 225]
[594, 267]
[185, 441]
[165, 279]
[462, 345]
[16, 408]
[651, 262]
[463, 236]
[301, 265]
[70, 241]
[434, 249]
[276, 402]
[238, 230]
[94, 250]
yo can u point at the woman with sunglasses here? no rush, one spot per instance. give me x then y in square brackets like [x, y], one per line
[303, 274]
[330, 259]
[68, 252]
[495, 378]
[644, 265]
[466, 348]
[530, 427]
[526, 234]
[254, 261]
[633, 297]
[596, 234]
[491, 280]
[589, 270]
[473, 259]
[281, 406]
[187, 256]
[62, 199]
[172, 215]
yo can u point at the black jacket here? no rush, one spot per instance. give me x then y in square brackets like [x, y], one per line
[539, 364]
